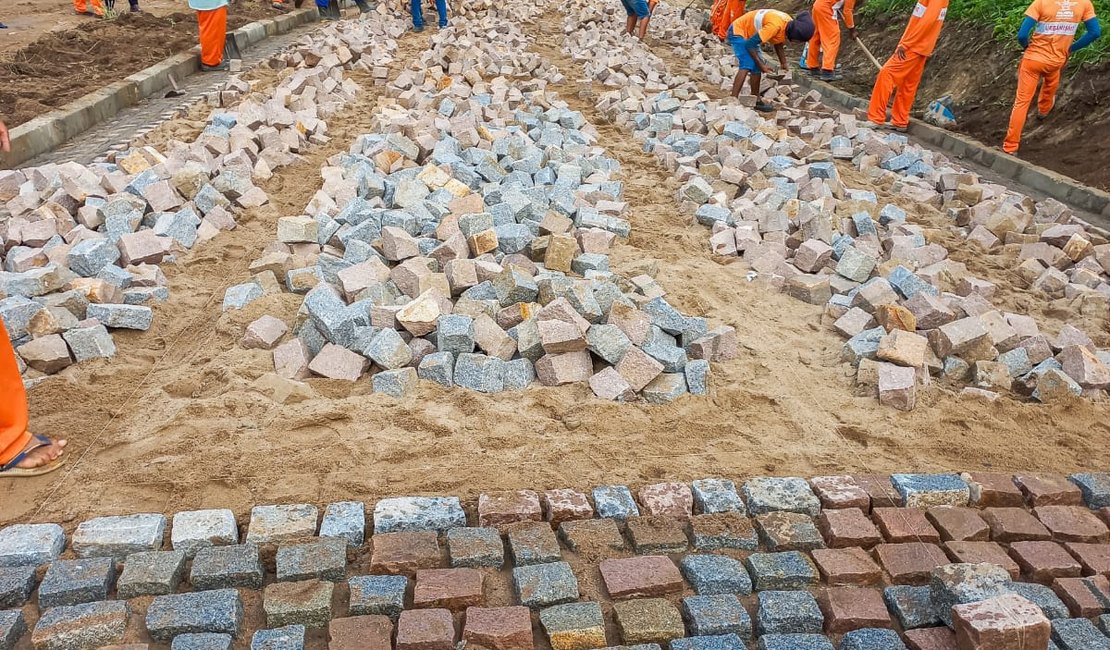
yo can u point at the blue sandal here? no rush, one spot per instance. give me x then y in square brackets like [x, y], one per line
[10, 470]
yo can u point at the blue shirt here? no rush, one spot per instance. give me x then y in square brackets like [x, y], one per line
[206, 5]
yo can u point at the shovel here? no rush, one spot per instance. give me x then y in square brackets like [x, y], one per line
[231, 47]
[869, 54]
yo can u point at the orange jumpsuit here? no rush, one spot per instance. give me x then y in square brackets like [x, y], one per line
[212, 23]
[1045, 58]
[724, 13]
[826, 37]
[13, 403]
[88, 7]
[904, 73]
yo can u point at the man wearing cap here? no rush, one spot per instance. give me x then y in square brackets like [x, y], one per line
[755, 28]
[901, 74]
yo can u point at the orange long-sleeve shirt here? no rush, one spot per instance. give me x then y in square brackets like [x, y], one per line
[923, 30]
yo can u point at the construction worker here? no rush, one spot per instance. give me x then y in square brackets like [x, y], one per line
[1048, 36]
[21, 453]
[212, 20]
[825, 44]
[5, 141]
[88, 7]
[639, 11]
[755, 28]
[902, 71]
[723, 14]
[418, 14]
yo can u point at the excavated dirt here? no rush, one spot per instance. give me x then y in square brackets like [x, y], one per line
[181, 417]
[60, 66]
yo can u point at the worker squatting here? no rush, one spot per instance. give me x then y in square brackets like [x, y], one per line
[1047, 35]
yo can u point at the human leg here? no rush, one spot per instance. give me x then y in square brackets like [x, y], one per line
[1028, 76]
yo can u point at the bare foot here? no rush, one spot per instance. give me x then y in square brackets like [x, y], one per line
[43, 455]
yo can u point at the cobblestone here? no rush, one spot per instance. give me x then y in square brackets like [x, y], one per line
[219, 612]
[383, 595]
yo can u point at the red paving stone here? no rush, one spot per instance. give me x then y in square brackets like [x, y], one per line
[838, 492]
[956, 524]
[993, 490]
[880, 489]
[454, 589]
[1095, 558]
[979, 552]
[1072, 523]
[426, 629]
[1014, 525]
[931, 638]
[499, 508]
[1043, 562]
[1085, 597]
[847, 527]
[498, 628]
[847, 566]
[852, 608]
[1006, 621]
[905, 525]
[360, 633]
[566, 505]
[667, 499]
[1048, 490]
[404, 553]
[910, 563]
[648, 575]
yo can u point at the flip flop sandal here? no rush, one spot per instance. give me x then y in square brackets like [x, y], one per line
[11, 471]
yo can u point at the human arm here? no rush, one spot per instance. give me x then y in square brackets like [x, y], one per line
[780, 52]
[847, 12]
[1026, 29]
[1094, 31]
[5, 142]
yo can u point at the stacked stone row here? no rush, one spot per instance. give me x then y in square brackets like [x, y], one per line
[466, 242]
[771, 191]
[81, 246]
[911, 560]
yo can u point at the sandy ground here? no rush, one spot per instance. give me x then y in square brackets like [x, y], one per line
[29, 19]
[175, 421]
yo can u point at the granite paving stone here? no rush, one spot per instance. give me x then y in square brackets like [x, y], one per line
[218, 567]
[1084, 597]
[153, 573]
[1095, 558]
[383, 595]
[716, 495]
[723, 530]
[454, 589]
[16, 585]
[847, 566]
[872, 639]
[347, 520]
[592, 536]
[425, 629]
[1001, 622]
[657, 535]
[1078, 634]
[1044, 561]
[788, 531]
[1072, 523]
[667, 499]
[88, 625]
[497, 508]
[615, 501]
[848, 527]
[118, 537]
[1043, 597]
[475, 547]
[498, 628]
[931, 638]
[405, 552]
[305, 602]
[290, 637]
[709, 642]
[325, 559]
[534, 544]
[1014, 525]
[837, 492]
[219, 611]
[1095, 487]
[197, 529]
[281, 523]
[1048, 490]
[927, 490]
[12, 628]
[850, 608]
[716, 614]
[72, 582]
[992, 490]
[31, 544]
[202, 641]
[789, 494]
[912, 606]
[793, 642]
[360, 632]
[958, 524]
[957, 584]
[788, 612]
[905, 525]
[879, 488]
[574, 626]
[979, 552]
[910, 562]
[541, 585]
[561, 505]
[712, 574]
[787, 570]
[636, 577]
[418, 514]
[648, 620]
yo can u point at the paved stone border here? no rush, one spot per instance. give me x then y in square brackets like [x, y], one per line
[48, 131]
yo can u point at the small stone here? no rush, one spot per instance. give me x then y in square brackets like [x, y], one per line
[153, 573]
[281, 523]
[425, 629]
[219, 567]
[574, 626]
[648, 620]
[475, 547]
[118, 537]
[377, 595]
[788, 612]
[541, 585]
[89, 625]
[306, 602]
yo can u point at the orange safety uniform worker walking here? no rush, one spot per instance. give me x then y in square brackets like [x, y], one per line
[1047, 34]
[88, 7]
[212, 21]
[21, 454]
[901, 74]
[825, 44]
[723, 14]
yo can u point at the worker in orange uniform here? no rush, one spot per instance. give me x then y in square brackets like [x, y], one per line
[21, 453]
[755, 28]
[88, 7]
[902, 71]
[1048, 36]
[825, 44]
[212, 20]
[723, 14]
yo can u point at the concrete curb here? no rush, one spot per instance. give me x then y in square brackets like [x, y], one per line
[50, 130]
[1062, 188]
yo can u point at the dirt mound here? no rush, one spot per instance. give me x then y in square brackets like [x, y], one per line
[61, 66]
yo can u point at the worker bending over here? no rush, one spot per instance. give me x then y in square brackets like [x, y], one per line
[901, 74]
[639, 11]
[825, 44]
[212, 23]
[1048, 36]
[754, 28]
[723, 14]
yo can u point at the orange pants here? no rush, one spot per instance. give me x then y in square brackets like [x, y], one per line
[1029, 74]
[903, 75]
[88, 6]
[13, 403]
[826, 38]
[213, 31]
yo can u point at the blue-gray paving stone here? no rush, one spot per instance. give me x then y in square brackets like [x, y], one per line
[290, 637]
[871, 638]
[479, 372]
[388, 350]
[72, 582]
[241, 295]
[12, 628]
[1103, 623]
[664, 316]
[928, 490]
[1051, 606]
[118, 537]
[31, 544]
[787, 570]
[793, 642]
[475, 548]
[382, 595]
[325, 559]
[197, 529]
[790, 494]
[219, 611]
[541, 585]
[714, 532]
[570, 617]
[151, 573]
[455, 333]
[87, 257]
[962, 583]
[218, 567]
[534, 544]
[788, 612]
[88, 625]
[716, 614]
[1095, 488]
[16, 584]
[607, 342]
[713, 495]
[716, 574]
[398, 514]
[907, 283]
[863, 345]
[709, 642]
[517, 374]
[615, 501]
[697, 376]
[1078, 634]
[912, 606]
[346, 520]
[202, 641]
[438, 367]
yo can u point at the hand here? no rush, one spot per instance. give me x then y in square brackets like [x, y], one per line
[852, 33]
[900, 53]
[5, 142]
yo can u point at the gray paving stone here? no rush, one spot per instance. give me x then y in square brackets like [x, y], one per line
[16, 584]
[197, 529]
[383, 595]
[793, 642]
[542, 585]
[306, 602]
[872, 638]
[76, 627]
[218, 612]
[615, 501]
[202, 641]
[719, 531]
[12, 628]
[325, 559]
[92, 342]
[710, 642]
[281, 523]
[72, 582]
[347, 520]
[283, 638]
[697, 376]
[1043, 597]
[219, 567]
[912, 606]
[573, 623]
[128, 317]
[438, 367]
[1095, 488]
[118, 537]
[399, 514]
[716, 614]
[790, 494]
[31, 544]
[534, 544]
[928, 490]
[1078, 634]
[153, 573]
[475, 548]
[788, 612]
[958, 584]
[479, 372]
[455, 333]
[716, 574]
[395, 383]
[517, 374]
[787, 570]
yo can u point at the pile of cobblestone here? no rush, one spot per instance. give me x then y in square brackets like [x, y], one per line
[978, 561]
